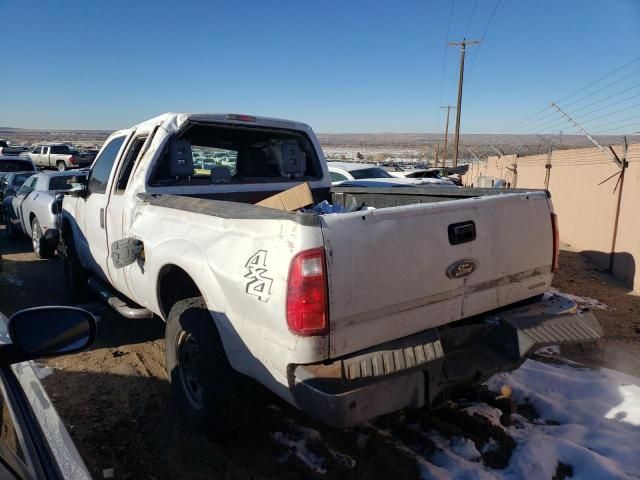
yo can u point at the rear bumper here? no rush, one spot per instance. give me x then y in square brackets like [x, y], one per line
[417, 370]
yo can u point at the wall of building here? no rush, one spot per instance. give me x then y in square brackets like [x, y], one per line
[584, 191]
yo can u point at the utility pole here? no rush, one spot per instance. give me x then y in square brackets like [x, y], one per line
[446, 134]
[437, 148]
[463, 47]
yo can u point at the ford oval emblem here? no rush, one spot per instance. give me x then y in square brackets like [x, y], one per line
[461, 268]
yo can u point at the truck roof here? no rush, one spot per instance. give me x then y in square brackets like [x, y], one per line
[173, 121]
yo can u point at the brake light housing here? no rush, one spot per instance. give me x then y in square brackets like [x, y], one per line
[72, 159]
[239, 117]
[555, 259]
[307, 302]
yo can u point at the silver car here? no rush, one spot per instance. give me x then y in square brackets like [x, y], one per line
[35, 208]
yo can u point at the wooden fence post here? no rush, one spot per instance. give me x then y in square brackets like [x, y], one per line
[547, 175]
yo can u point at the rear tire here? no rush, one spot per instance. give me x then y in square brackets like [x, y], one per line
[75, 275]
[40, 246]
[61, 166]
[212, 396]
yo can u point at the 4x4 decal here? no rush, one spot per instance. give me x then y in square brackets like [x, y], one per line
[259, 285]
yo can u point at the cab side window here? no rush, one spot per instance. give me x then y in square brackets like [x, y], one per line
[103, 165]
[129, 162]
[337, 177]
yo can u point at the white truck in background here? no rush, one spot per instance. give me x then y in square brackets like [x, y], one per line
[59, 156]
[347, 316]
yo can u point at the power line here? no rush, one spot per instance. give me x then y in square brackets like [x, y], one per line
[603, 88]
[609, 105]
[607, 98]
[613, 123]
[526, 120]
[549, 126]
[554, 123]
[484, 33]
[517, 125]
[446, 41]
[598, 80]
[539, 122]
[611, 113]
[473, 11]
[604, 132]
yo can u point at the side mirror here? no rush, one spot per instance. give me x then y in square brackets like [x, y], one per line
[78, 186]
[46, 332]
[77, 191]
[9, 192]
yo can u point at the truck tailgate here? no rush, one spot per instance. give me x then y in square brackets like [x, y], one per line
[397, 271]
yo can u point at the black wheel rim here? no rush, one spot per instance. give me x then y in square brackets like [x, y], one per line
[189, 368]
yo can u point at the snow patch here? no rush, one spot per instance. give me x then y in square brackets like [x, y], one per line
[589, 420]
[297, 440]
[582, 301]
[298, 447]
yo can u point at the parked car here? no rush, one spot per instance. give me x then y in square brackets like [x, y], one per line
[9, 164]
[428, 173]
[8, 150]
[346, 316]
[59, 156]
[10, 183]
[365, 174]
[35, 443]
[35, 208]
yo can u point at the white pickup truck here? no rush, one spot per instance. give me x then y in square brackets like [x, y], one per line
[346, 316]
[59, 156]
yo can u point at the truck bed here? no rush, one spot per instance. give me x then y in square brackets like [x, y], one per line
[390, 266]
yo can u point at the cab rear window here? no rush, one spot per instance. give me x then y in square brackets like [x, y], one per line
[215, 154]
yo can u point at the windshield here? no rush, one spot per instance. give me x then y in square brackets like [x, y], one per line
[15, 165]
[20, 178]
[373, 172]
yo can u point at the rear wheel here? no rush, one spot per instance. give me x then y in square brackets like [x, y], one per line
[213, 397]
[75, 275]
[40, 246]
[61, 166]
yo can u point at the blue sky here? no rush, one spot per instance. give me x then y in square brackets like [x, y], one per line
[341, 66]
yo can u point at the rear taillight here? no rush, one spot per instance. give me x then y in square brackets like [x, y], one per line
[307, 294]
[555, 266]
[72, 159]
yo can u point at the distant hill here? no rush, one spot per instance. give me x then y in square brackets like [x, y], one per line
[370, 145]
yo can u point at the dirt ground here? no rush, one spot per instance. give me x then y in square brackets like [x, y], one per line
[116, 404]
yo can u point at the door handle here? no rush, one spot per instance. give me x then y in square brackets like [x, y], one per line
[102, 218]
[462, 232]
